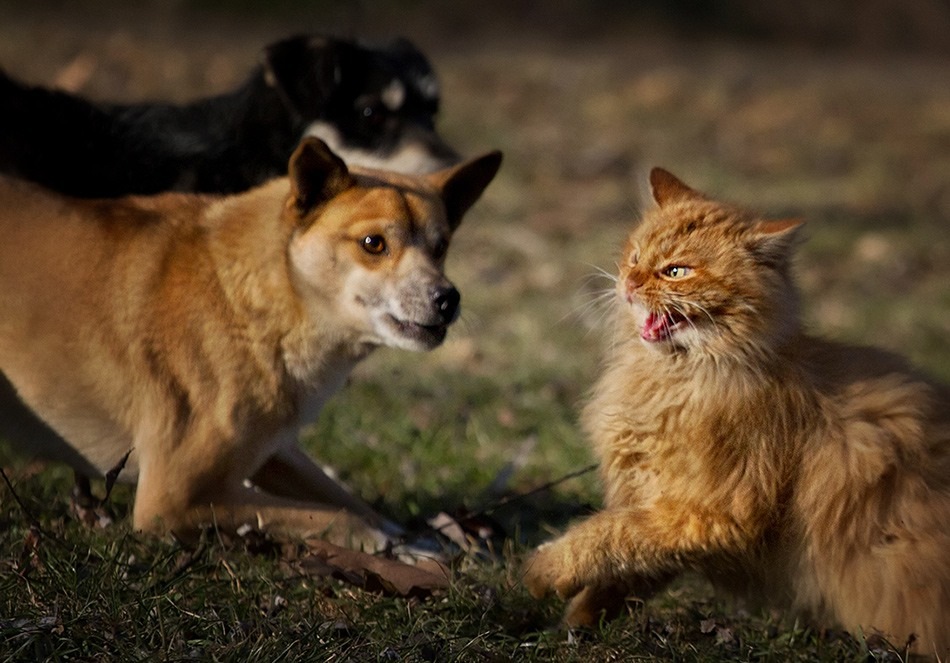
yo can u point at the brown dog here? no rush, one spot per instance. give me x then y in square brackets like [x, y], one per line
[199, 332]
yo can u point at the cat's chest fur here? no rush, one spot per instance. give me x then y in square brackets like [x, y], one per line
[684, 430]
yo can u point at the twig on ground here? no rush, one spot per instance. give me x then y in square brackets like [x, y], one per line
[443, 522]
[35, 527]
[505, 501]
[26, 512]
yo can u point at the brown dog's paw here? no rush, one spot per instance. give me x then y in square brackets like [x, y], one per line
[551, 569]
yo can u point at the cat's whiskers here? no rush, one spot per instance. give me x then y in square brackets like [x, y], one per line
[600, 272]
[590, 278]
[678, 307]
[745, 306]
[668, 313]
[600, 299]
[699, 307]
[599, 304]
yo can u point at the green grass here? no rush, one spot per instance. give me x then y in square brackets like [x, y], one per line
[855, 146]
[78, 594]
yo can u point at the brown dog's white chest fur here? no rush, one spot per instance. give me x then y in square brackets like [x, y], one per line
[197, 332]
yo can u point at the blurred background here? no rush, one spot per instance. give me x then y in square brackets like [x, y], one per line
[835, 112]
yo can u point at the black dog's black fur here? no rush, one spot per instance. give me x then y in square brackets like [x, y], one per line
[227, 143]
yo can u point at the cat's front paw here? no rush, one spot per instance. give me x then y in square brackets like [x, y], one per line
[552, 569]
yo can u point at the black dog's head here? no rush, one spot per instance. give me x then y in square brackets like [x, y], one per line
[374, 106]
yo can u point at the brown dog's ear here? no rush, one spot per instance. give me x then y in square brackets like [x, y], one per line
[316, 175]
[460, 186]
[667, 188]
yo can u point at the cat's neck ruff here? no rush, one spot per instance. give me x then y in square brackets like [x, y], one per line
[747, 365]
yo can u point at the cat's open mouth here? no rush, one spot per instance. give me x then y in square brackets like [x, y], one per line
[660, 326]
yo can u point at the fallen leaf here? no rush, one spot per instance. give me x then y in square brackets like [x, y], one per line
[724, 636]
[707, 626]
[372, 572]
[29, 554]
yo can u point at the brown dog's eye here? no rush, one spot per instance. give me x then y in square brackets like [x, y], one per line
[374, 244]
[439, 249]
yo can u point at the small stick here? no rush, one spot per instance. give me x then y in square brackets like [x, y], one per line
[505, 501]
[29, 515]
[516, 498]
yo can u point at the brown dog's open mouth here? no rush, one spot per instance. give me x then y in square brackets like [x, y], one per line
[427, 334]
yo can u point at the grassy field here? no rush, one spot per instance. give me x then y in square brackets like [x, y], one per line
[858, 144]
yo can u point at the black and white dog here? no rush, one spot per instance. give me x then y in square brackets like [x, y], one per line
[374, 106]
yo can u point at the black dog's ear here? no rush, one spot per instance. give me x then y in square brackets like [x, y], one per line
[316, 175]
[461, 185]
[305, 70]
[409, 58]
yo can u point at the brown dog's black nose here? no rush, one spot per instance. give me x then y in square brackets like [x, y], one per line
[446, 302]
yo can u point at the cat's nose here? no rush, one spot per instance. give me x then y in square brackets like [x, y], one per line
[631, 285]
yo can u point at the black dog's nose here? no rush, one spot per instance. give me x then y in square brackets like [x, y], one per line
[446, 302]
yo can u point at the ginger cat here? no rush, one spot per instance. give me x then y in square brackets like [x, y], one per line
[807, 473]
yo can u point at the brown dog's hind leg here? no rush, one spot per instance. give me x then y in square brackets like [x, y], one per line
[244, 507]
[292, 474]
[199, 482]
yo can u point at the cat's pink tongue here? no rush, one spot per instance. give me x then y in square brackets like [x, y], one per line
[655, 327]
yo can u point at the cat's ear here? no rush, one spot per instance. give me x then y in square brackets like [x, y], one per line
[668, 188]
[773, 241]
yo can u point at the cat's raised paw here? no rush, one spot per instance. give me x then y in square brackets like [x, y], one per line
[548, 570]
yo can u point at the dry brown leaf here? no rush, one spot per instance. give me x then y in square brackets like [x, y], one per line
[29, 555]
[373, 572]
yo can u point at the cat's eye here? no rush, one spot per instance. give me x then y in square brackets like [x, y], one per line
[374, 244]
[676, 271]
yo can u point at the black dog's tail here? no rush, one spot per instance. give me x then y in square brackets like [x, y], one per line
[45, 134]
[63, 142]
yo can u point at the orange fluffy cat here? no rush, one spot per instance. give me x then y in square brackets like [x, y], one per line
[811, 474]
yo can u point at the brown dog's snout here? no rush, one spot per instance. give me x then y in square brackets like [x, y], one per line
[446, 300]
